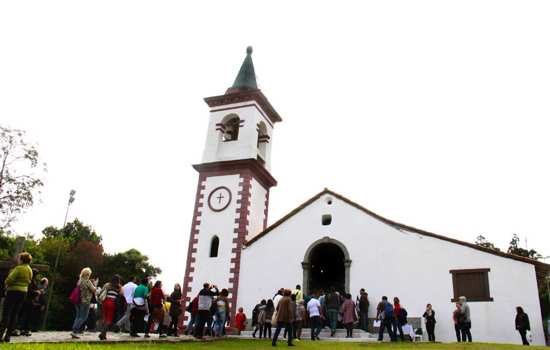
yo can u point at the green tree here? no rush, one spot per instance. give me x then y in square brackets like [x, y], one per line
[20, 174]
[127, 264]
[483, 242]
[72, 233]
[515, 249]
[7, 245]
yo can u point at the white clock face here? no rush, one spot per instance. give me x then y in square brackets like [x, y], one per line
[219, 198]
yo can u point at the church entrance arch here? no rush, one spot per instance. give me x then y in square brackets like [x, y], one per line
[326, 264]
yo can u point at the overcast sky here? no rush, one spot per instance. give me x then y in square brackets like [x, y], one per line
[430, 113]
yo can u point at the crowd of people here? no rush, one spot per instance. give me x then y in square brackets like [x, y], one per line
[142, 307]
[133, 307]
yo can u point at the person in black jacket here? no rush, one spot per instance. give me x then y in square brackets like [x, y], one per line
[522, 324]
[429, 316]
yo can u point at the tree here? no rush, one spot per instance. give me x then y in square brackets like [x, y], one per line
[127, 264]
[72, 233]
[515, 249]
[20, 181]
[483, 242]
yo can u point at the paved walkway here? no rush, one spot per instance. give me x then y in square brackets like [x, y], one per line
[88, 337]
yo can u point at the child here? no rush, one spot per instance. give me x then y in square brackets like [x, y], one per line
[240, 320]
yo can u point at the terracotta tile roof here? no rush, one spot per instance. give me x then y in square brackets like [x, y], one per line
[540, 266]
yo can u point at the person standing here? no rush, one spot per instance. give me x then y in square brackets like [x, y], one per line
[522, 324]
[332, 304]
[293, 305]
[385, 315]
[240, 320]
[87, 290]
[128, 290]
[139, 308]
[269, 312]
[363, 301]
[349, 316]
[299, 319]
[465, 320]
[399, 318]
[108, 297]
[205, 297]
[28, 310]
[285, 317]
[16, 287]
[429, 317]
[156, 313]
[175, 310]
[314, 310]
[91, 322]
[298, 293]
[193, 309]
[221, 313]
[457, 321]
[256, 318]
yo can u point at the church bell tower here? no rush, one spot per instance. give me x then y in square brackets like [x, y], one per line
[232, 197]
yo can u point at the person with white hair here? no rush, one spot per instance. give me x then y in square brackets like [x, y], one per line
[86, 290]
[465, 320]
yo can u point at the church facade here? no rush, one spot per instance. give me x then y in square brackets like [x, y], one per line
[332, 241]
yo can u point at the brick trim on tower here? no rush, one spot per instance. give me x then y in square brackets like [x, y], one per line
[240, 232]
[192, 248]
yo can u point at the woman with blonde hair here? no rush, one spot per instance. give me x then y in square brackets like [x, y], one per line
[16, 284]
[86, 291]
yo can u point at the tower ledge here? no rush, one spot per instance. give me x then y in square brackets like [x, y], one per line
[244, 96]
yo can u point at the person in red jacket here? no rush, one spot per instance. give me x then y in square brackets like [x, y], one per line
[156, 312]
[193, 309]
[240, 320]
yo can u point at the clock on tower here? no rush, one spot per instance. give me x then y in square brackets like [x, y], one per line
[232, 195]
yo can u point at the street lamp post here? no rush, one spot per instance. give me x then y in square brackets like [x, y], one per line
[56, 264]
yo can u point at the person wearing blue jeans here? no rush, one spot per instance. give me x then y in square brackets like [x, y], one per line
[332, 304]
[385, 314]
[87, 291]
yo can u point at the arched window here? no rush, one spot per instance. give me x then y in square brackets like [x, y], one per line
[214, 245]
[229, 127]
[263, 139]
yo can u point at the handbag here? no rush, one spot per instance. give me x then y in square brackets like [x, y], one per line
[274, 318]
[376, 323]
[74, 297]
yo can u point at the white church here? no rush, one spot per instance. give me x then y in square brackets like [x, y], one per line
[323, 242]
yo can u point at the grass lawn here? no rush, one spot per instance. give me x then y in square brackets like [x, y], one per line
[257, 344]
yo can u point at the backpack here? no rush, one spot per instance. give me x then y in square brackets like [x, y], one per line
[261, 316]
[388, 311]
[74, 297]
[402, 317]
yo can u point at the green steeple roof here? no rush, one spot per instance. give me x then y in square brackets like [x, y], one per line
[246, 79]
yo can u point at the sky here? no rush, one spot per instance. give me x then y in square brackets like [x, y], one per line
[430, 113]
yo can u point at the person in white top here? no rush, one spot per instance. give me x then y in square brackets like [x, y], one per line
[128, 289]
[314, 310]
[278, 298]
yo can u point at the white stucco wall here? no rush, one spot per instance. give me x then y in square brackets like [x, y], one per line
[391, 262]
[215, 270]
[256, 209]
[245, 146]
